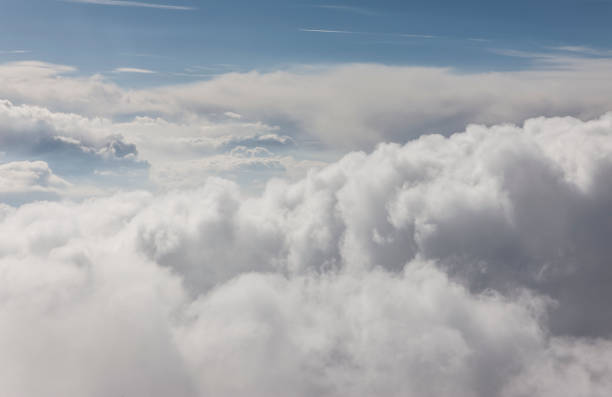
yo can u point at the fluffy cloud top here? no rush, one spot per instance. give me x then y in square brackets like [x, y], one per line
[470, 265]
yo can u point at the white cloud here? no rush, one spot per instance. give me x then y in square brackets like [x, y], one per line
[55, 87]
[473, 265]
[74, 144]
[28, 180]
[19, 175]
[182, 154]
[233, 115]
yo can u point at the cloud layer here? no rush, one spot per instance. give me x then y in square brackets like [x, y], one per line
[347, 106]
[469, 265]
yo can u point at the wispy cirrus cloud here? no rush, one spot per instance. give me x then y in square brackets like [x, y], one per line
[408, 35]
[133, 70]
[352, 9]
[123, 3]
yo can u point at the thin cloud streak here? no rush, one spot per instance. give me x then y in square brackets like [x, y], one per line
[133, 70]
[122, 3]
[410, 35]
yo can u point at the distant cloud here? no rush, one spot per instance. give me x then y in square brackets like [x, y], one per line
[122, 3]
[133, 70]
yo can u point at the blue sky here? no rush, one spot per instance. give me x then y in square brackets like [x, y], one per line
[195, 39]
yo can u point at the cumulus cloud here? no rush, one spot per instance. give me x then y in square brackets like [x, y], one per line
[29, 180]
[469, 265]
[181, 153]
[133, 70]
[72, 145]
[121, 152]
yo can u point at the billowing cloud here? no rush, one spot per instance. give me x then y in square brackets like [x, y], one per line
[469, 265]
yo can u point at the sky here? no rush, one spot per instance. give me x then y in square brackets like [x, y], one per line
[190, 40]
[278, 198]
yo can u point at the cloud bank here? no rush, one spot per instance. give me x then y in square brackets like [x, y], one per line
[470, 265]
[343, 107]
